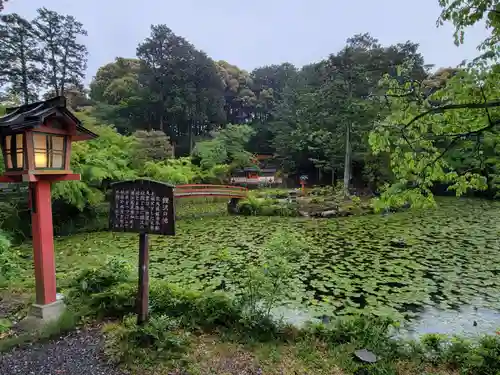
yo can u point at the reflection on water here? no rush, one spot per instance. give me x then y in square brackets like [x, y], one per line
[293, 316]
[467, 321]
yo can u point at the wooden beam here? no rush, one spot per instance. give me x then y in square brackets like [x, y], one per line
[65, 177]
[10, 179]
[49, 130]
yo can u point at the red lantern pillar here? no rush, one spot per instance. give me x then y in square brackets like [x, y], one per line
[43, 242]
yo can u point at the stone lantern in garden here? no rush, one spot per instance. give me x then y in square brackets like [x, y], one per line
[36, 146]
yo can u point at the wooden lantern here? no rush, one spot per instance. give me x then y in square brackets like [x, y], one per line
[36, 145]
[36, 140]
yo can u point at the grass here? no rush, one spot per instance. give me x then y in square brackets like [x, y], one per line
[212, 354]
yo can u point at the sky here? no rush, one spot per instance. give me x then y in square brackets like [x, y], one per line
[260, 32]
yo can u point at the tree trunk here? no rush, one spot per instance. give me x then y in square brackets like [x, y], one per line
[347, 162]
[348, 151]
[24, 74]
[190, 138]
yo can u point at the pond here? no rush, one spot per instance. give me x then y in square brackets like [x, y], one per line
[400, 264]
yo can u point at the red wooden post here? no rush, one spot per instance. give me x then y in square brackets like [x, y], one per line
[43, 242]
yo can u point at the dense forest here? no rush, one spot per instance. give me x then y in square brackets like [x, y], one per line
[370, 115]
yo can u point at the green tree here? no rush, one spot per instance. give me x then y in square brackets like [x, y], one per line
[425, 132]
[324, 114]
[465, 13]
[151, 146]
[116, 81]
[19, 57]
[240, 100]
[106, 158]
[182, 88]
[227, 146]
[64, 58]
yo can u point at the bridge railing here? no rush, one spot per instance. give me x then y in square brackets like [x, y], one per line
[206, 190]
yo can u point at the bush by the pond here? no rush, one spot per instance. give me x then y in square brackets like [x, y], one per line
[9, 259]
[262, 206]
[160, 339]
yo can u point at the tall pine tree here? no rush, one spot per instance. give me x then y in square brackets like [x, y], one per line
[64, 58]
[20, 57]
[2, 2]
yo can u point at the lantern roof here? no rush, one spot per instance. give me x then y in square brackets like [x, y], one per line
[32, 115]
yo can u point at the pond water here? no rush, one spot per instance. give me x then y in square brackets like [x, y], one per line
[419, 265]
[466, 321]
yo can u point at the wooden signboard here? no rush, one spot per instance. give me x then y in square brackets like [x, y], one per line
[144, 207]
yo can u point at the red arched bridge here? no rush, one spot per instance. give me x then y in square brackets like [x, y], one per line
[200, 190]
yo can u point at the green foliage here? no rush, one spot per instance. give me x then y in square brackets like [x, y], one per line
[254, 205]
[470, 357]
[9, 259]
[151, 146]
[466, 13]
[111, 157]
[268, 284]
[102, 159]
[193, 310]
[176, 312]
[227, 146]
[271, 279]
[175, 171]
[422, 129]
[97, 280]
[159, 338]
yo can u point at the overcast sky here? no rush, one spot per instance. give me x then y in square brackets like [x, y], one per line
[259, 32]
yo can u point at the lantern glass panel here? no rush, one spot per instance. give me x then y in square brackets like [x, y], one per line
[49, 151]
[14, 152]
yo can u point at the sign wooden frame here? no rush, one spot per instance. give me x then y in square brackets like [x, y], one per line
[145, 207]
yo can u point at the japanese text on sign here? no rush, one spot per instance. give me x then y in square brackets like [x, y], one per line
[142, 206]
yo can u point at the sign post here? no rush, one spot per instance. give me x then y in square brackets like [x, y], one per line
[144, 207]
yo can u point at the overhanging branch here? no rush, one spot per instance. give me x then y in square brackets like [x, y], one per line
[447, 107]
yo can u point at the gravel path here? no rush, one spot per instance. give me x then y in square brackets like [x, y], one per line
[75, 354]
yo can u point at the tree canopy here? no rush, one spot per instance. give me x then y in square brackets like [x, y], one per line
[376, 116]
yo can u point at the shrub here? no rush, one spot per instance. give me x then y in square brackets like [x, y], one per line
[108, 297]
[103, 292]
[9, 260]
[159, 338]
[471, 358]
[116, 302]
[255, 205]
[267, 284]
[96, 280]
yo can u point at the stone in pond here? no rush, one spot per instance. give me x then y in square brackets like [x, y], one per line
[365, 356]
[331, 213]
